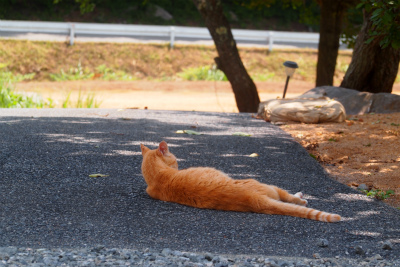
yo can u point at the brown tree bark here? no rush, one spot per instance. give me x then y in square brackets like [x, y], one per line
[331, 21]
[229, 61]
[372, 69]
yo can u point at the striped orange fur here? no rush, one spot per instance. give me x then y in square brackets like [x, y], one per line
[209, 188]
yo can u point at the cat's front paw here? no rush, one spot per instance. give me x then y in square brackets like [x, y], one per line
[302, 201]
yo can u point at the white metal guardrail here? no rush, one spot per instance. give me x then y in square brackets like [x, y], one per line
[73, 29]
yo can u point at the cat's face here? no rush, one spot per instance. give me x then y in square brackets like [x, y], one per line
[161, 153]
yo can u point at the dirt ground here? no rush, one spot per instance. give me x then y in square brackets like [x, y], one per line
[364, 149]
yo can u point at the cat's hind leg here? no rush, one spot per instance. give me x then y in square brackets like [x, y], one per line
[285, 196]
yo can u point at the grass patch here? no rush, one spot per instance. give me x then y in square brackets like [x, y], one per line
[54, 61]
[82, 101]
[378, 194]
[204, 73]
[80, 73]
[10, 77]
[11, 99]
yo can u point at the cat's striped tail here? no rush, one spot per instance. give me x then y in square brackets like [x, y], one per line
[284, 208]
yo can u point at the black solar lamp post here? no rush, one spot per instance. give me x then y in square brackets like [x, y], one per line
[290, 67]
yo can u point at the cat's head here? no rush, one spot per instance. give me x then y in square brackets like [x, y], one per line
[161, 153]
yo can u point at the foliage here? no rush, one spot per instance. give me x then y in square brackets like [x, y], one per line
[385, 20]
[107, 74]
[11, 99]
[79, 73]
[13, 78]
[278, 17]
[204, 73]
[88, 101]
[73, 74]
[379, 194]
[304, 11]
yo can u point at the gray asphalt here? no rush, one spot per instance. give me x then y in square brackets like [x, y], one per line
[48, 199]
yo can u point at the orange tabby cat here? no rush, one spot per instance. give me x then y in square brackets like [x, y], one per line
[212, 189]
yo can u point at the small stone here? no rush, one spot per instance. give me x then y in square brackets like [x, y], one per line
[222, 264]
[359, 250]
[387, 245]
[316, 256]
[215, 259]
[322, 242]
[184, 259]
[166, 252]
[97, 249]
[378, 257]
[269, 261]
[177, 253]
[283, 264]
[208, 256]
[7, 252]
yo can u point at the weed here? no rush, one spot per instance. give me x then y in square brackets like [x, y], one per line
[73, 74]
[88, 101]
[13, 78]
[204, 73]
[313, 156]
[262, 77]
[65, 103]
[378, 194]
[11, 99]
[107, 74]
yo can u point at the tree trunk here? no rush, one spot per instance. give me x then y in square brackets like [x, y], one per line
[372, 69]
[329, 40]
[229, 61]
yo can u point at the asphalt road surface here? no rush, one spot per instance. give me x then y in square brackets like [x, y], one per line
[48, 199]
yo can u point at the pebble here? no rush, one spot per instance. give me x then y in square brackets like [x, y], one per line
[322, 242]
[101, 256]
[359, 250]
[387, 245]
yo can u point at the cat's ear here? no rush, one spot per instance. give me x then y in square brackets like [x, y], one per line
[163, 148]
[144, 149]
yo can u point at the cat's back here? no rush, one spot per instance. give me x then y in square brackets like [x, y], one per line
[200, 178]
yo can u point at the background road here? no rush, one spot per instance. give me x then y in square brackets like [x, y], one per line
[48, 199]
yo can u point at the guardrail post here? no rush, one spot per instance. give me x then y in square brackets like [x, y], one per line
[172, 37]
[71, 34]
[270, 41]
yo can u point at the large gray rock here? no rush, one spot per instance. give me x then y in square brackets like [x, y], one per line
[307, 110]
[356, 102]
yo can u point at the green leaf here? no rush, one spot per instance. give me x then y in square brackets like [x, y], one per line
[360, 5]
[369, 40]
[96, 175]
[241, 134]
[376, 13]
[191, 132]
